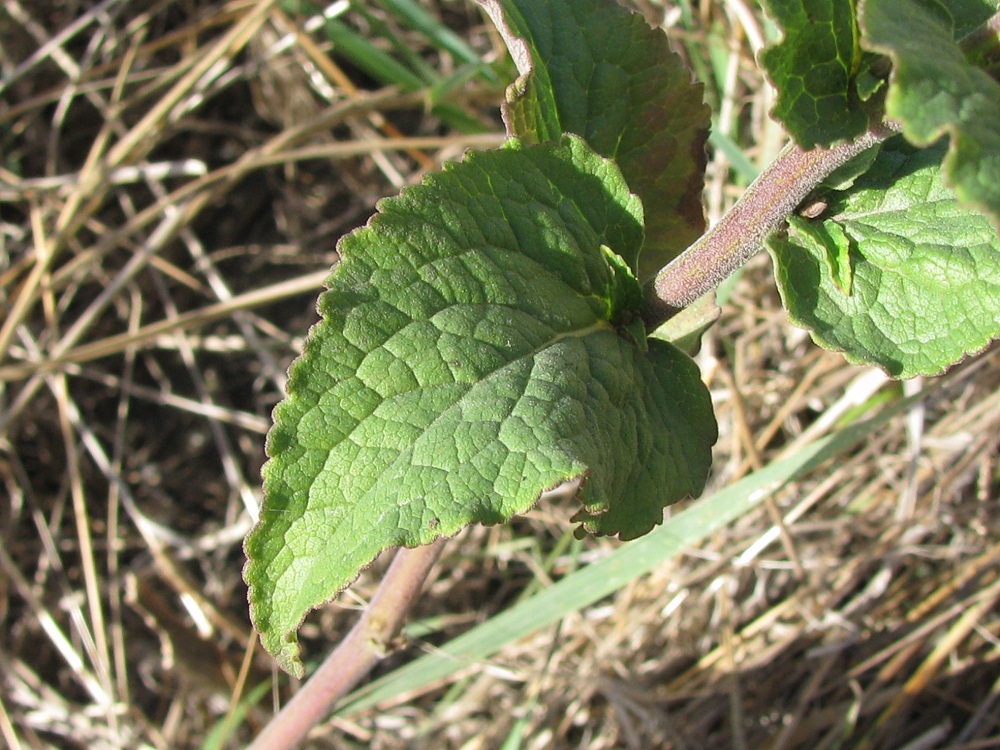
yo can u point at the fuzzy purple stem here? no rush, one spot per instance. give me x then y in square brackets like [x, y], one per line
[740, 234]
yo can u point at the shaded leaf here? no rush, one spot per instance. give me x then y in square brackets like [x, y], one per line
[594, 69]
[817, 68]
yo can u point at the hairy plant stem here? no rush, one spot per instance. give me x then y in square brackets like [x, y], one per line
[361, 649]
[740, 234]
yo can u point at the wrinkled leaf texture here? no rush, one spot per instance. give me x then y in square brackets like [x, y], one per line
[476, 349]
[923, 288]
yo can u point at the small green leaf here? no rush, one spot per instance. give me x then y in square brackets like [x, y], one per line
[477, 348]
[934, 91]
[830, 236]
[592, 68]
[925, 284]
[685, 329]
[816, 70]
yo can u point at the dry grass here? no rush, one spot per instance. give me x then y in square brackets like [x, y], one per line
[175, 176]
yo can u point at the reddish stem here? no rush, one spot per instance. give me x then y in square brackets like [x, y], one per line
[762, 209]
[367, 643]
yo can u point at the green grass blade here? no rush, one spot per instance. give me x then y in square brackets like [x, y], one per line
[386, 69]
[405, 50]
[627, 563]
[418, 19]
[221, 732]
[745, 168]
[370, 58]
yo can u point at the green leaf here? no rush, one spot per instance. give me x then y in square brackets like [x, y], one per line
[934, 91]
[923, 288]
[836, 246]
[685, 329]
[477, 348]
[816, 69]
[596, 70]
[437, 33]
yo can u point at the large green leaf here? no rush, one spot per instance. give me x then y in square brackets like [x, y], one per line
[479, 345]
[935, 91]
[815, 69]
[897, 273]
[591, 68]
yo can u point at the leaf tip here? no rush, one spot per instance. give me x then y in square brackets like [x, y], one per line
[285, 650]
